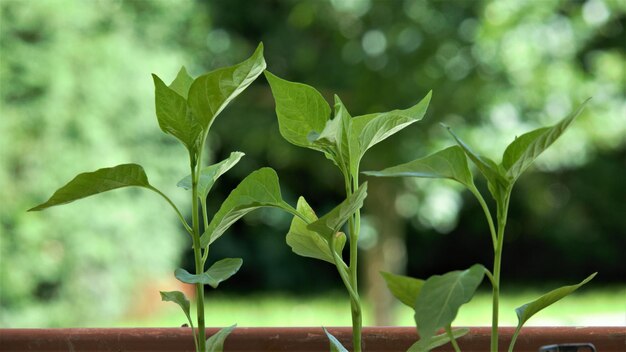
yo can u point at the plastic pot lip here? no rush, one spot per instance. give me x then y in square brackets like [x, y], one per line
[294, 339]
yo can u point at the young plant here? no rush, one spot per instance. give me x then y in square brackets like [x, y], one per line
[186, 109]
[304, 119]
[451, 163]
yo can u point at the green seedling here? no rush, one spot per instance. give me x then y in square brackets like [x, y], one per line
[304, 119]
[186, 109]
[451, 163]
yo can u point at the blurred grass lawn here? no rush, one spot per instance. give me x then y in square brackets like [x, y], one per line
[591, 307]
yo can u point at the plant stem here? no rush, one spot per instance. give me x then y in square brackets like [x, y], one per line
[354, 224]
[197, 251]
[503, 207]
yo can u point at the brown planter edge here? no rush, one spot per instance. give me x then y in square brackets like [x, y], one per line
[295, 339]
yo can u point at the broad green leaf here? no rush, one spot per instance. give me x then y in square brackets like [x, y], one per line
[182, 83]
[174, 117]
[215, 343]
[259, 189]
[404, 288]
[101, 180]
[300, 109]
[210, 174]
[441, 297]
[520, 154]
[308, 243]
[220, 271]
[438, 340]
[335, 345]
[210, 93]
[383, 125]
[449, 163]
[332, 222]
[180, 299]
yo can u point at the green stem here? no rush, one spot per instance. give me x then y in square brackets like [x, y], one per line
[354, 224]
[197, 251]
[455, 345]
[503, 207]
[483, 204]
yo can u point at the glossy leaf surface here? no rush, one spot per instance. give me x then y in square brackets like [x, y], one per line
[219, 272]
[101, 180]
[215, 343]
[259, 189]
[209, 94]
[210, 174]
[174, 117]
[309, 243]
[404, 288]
[335, 345]
[521, 153]
[441, 297]
[450, 163]
[300, 109]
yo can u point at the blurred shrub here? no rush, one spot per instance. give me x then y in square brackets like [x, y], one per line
[76, 96]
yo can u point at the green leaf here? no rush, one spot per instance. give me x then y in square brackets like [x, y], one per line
[259, 189]
[308, 243]
[174, 117]
[180, 299]
[441, 297]
[404, 288]
[381, 126]
[220, 271]
[210, 174]
[335, 345]
[528, 310]
[448, 163]
[215, 343]
[210, 93]
[332, 222]
[182, 83]
[520, 154]
[334, 138]
[300, 109]
[101, 180]
[438, 340]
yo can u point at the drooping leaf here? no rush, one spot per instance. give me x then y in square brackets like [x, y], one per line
[101, 180]
[335, 345]
[182, 83]
[180, 299]
[210, 174]
[404, 288]
[210, 93]
[438, 340]
[215, 343]
[218, 272]
[448, 163]
[374, 128]
[259, 189]
[174, 117]
[300, 109]
[330, 223]
[308, 243]
[441, 297]
[521, 153]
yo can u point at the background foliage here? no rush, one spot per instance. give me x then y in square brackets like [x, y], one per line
[76, 95]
